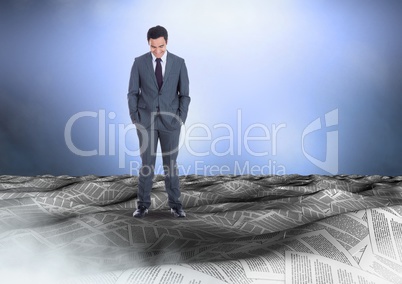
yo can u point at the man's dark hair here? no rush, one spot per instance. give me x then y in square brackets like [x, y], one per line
[157, 32]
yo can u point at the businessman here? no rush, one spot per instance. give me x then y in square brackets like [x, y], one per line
[158, 101]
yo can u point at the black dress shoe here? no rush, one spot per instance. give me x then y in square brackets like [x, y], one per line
[140, 212]
[178, 212]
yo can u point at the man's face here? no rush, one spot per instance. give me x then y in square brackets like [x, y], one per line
[158, 46]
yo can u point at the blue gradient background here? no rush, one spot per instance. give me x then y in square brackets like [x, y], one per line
[275, 62]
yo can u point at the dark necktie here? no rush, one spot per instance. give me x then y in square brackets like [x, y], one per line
[158, 72]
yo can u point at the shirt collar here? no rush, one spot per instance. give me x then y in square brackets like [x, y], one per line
[163, 57]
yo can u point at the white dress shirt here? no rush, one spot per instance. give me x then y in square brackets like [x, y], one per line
[163, 62]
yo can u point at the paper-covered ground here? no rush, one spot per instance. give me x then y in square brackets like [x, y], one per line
[238, 229]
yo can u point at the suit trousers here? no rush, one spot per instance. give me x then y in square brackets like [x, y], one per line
[169, 141]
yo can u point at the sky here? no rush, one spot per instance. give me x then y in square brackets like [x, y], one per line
[277, 87]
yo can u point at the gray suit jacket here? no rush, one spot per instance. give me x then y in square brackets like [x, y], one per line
[144, 96]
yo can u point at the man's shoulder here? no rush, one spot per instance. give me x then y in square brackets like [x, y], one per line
[145, 56]
[174, 57]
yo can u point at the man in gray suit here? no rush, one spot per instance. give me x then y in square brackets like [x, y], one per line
[158, 100]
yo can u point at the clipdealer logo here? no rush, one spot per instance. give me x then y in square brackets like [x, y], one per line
[330, 164]
[243, 137]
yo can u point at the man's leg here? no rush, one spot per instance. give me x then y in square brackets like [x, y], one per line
[148, 139]
[170, 149]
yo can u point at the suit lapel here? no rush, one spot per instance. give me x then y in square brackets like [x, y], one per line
[150, 68]
[168, 67]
